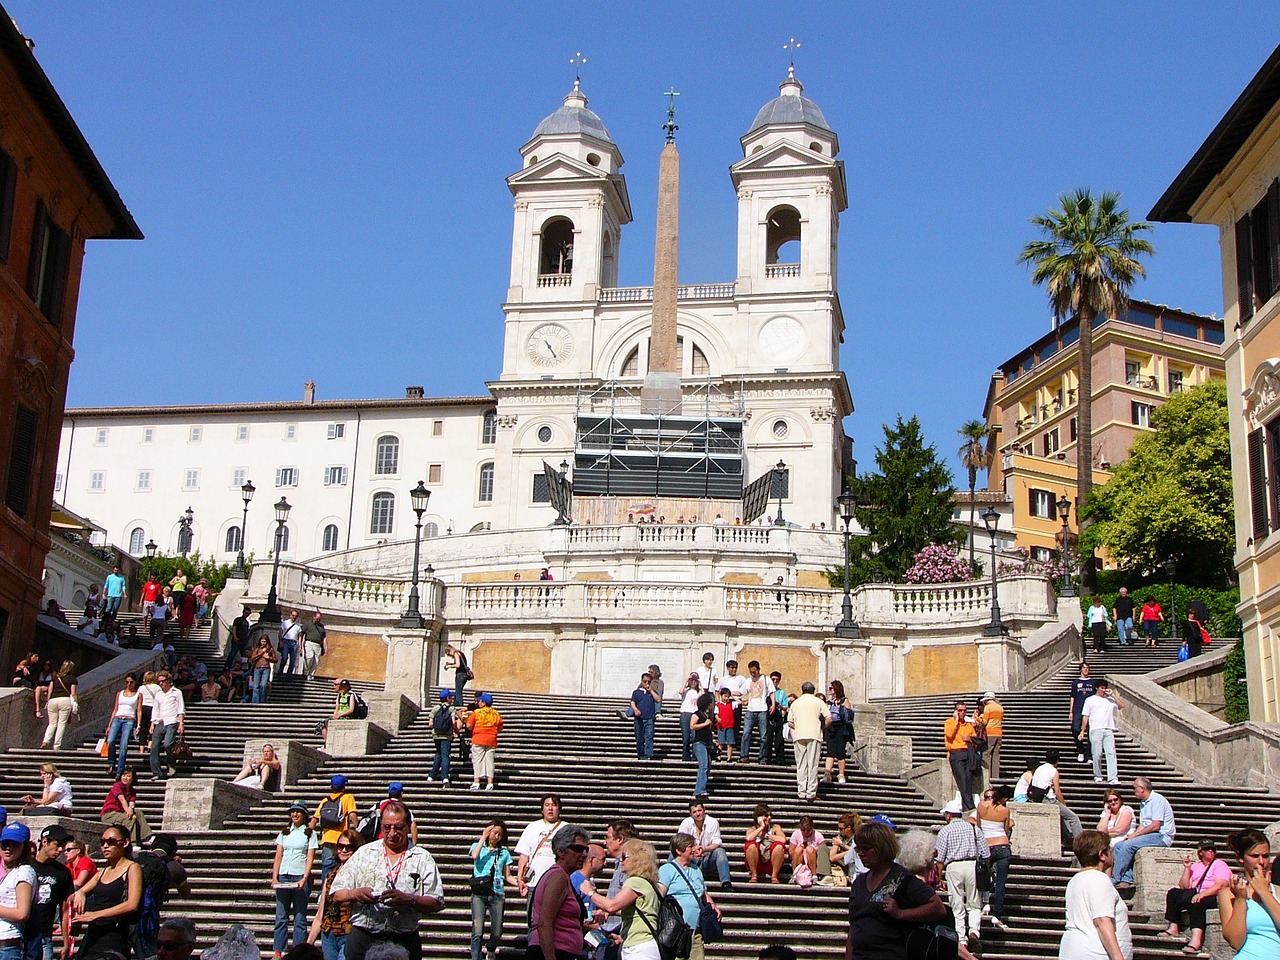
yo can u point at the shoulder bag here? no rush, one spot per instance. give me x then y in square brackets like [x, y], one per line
[709, 924]
[486, 885]
[982, 865]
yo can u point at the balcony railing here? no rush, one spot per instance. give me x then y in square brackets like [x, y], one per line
[555, 279]
[779, 271]
[688, 291]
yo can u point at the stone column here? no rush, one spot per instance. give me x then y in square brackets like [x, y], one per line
[407, 671]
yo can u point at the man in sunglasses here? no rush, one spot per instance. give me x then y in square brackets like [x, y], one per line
[176, 940]
[390, 884]
[54, 887]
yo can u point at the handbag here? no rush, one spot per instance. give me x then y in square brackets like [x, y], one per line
[180, 752]
[982, 866]
[101, 748]
[709, 925]
[928, 942]
[485, 886]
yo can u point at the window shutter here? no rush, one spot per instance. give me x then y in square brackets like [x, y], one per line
[8, 189]
[1258, 484]
[1031, 502]
[1244, 267]
[39, 250]
[22, 455]
[1053, 507]
[1273, 235]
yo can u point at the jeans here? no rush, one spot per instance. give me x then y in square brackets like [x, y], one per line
[1124, 627]
[962, 773]
[644, 738]
[440, 765]
[1102, 742]
[328, 860]
[1000, 857]
[720, 860]
[235, 650]
[261, 678]
[161, 740]
[288, 656]
[755, 720]
[459, 681]
[686, 736]
[118, 742]
[334, 946]
[39, 947]
[111, 606]
[291, 905]
[481, 905]
[702, 752]
[776, 753]
[1071, 825]
[1124, 851]
[1083, 748]
[11, 953]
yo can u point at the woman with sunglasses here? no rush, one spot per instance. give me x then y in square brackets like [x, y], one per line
[107, 906]
[637, 901]
[1117, 820]
[332, 921]
[17, 889]
[492, 868]
[555, 932]
[296, 847]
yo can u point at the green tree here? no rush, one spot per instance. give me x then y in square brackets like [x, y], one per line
[904, 506]
[1172, 498]
[1087, 261]
[976, 454]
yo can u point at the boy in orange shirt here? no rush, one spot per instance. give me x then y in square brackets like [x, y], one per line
[485, 724]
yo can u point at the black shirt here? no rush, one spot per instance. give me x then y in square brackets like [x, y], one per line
[1082, 688]
[874, 935]
[1124, 608]
[704, 735]
[53, 886]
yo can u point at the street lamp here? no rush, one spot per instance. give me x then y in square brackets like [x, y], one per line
[271, 612]
[247, 490]
[779, 472]
[1064, 511]
[996, 628]
[151, 549]
[846, 503]
[562, 510]
[1170, 568]
[418, 496]
[184, 531]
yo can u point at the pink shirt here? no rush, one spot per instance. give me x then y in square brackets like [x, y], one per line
[815, 840]
[1217, 870]
[567, 926]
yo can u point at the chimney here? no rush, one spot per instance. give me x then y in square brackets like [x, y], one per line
[309, 392]
[413, 393]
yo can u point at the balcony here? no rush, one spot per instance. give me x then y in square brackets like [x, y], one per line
[782, 271]
[688, 291]
[555, 279]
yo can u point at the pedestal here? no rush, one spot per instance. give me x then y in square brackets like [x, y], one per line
[407, 672]
[202, 803]
[355, 738]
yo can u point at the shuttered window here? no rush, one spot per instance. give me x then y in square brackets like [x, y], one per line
[1273, 472]
[8, 190]
[47, 271]
[22, 458]
[1244, 267]
[1258, 484]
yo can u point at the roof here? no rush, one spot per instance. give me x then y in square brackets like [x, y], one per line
[284, 406]
[790, 107]
[39, 88]
[1231, 133]
[573, 119]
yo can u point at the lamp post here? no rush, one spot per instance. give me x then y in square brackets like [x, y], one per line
[1064, 511]
[151, 555]
[271, 612]
[847, 629]
[779, 472]
[562, 511]
[1170, 568]
[996, 628]
[418, 496]
[184, 531]
[246, 494]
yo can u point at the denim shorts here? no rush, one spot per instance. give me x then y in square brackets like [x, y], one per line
[725, 737]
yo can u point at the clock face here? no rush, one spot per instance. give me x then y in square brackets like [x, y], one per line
[782, 338]
[549, 345]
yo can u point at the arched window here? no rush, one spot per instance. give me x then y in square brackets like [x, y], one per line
[282, 538]
[137, 541]
[631, 365]
[485, 494]
[432, 529]
[700, 367]
[557, 248]
[489, 428]
[782, 236]
[329, 538]
[382, 519]
[233, 543]
[387, 460]
[480, 527]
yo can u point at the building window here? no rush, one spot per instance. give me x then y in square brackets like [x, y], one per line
[432, 529]
[238, 476]
[434, 472]
[1051, 442]
[1140, 413]
[57, 483]
[97, 481]
[8, 189]
[485, 493]
[437, 428]
[383, 516]
[337, 431]
[556, 257]
[286, 476]
[541, 492]
[191, 480]
[1258, 253]
[782, 238]
[1042, 504]
[387, 459]
[1175, 381]
[488, 427]
[47, 269]
[235, 542]
[1041, 554]
[780, 429]
[137, 546]
[144, 481]
[148, 434]
[195, 435]
[100, 438]
[544, 434]
[329, 539]
[291, 431]
[335, 476]
[1074, 428]
[242, 433]
[282, 538]
[22, 460]
[631, 365]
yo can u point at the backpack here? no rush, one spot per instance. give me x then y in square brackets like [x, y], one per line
[442, 721]
[371, 825]
[671, 933]
[361, 711]
[155, 890]
[331, 816]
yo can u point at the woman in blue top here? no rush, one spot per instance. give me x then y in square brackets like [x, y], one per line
[492, 869]
[682, 880]
[1250, 904]
[296, 848]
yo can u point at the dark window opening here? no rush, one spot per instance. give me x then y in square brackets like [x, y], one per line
[22, 459]
[47, 272]
[8, 190]
[782, 236]
[557, 248]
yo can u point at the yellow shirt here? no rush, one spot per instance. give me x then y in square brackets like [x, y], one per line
[348, 807]
[806, 715]
[993, 713]
[955, 732]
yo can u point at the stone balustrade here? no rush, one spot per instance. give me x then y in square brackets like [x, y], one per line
[687, 291]
[330, 591]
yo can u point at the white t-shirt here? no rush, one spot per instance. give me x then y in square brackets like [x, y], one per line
[758, 693]
[1101, 712]
[737, 684]
[23, 873]
[533, 839]
[61, 791]
[1043, 778]
[1090, 894]
[709, 835]
[709, 679]
[690, 702]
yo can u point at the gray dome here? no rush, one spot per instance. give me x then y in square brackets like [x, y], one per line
[573, 119]
[790, 107]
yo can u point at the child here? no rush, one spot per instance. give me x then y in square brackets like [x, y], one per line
[725, 734]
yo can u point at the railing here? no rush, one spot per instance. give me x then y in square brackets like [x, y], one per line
[555, 279]
[941, 599]
[778, 271]
[736, 534]
[481, 599]
[354, 593]
[337, 589]
[645, 596]
[688, 291]
[797, 606]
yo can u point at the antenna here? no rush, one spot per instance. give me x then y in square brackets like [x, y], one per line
[791, 46]
[577, 60]
[670, 126]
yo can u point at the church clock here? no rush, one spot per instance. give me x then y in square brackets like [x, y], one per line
[549, 345]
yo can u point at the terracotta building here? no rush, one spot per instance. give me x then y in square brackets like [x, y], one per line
[54, 195]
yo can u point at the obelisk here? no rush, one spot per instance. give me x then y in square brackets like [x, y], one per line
[660, 395]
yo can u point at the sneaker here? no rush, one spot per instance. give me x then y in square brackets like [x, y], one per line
[1079, 758]
[431, 779]
[444, 784]
[1097, 779]
[475, 786]
[843, 780]
[489, 788]
[986, 909]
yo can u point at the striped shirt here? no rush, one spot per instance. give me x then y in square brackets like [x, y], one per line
[960, 840]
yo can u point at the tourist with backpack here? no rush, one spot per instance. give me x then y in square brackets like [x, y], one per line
[641, 904]
[444, 726]
[335, 813]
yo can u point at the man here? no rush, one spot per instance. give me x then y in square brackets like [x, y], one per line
[238, 638]
[737, 685]
[708, 847]
[336, 813]
[1098, 723]
[115, 590]
[958, 848]
[1156, 828]
[290, 634]
[805, 719]
[444, 727]
[1046, 787]
[1122, 611]
[759, 693]
[167, 718]
[390, 885]
[51, 901]
[993, 717]
[177, 939]
[150, 594]
[707, 676]
[958, 733]
[592, 865]
[777, 719]
[616, 834]
[166, 848]
[395, 792]
[644, 710]
[313, 647]
[1082, 688]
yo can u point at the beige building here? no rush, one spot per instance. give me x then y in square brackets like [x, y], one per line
[1233, 181]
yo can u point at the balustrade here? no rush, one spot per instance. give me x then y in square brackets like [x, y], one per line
[776, 271]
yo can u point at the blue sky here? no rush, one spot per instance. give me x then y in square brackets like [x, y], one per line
[322, 191]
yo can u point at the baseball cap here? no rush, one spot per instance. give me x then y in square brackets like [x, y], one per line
[882, 818]
[162, 841]
[486, 699]
[953, 808]
[446, 694]
[337, 782]
[56, 832]
[395, 786]
[15, 833]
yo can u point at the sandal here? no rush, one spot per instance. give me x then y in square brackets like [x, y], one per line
[1166, 935]
[1191, 951]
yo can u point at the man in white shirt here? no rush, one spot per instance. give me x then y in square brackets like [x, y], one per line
[1098, 720]
[167, 718]
[1156, 829]
[758, 694]
[290, 637]
[708, 847]
[805, 720]
[707, 676]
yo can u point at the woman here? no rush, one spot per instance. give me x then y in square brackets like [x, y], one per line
[1250, 903]
[1099, 623]
[766, 844]
[296, 847]
[702, 726]
[161, 614]
[186, 613]
[150, 687]
[60, 704]
[555, 932]
[534, 854]
[637, 901]
[56, 798]
[804, 844]
[1097, 919]
[24, 674]
[43, 679]
[996, 823]
[1197, 890]
[1152, 617]
[457, 660]
[17, 890]
[1197, 635]
[839, 729]
[690, 691]
[121, 808]
[332, 921]
[125, 717]
[261, 657]
[1117, 820]
[842, 848]
[886, 901]
[919, 855]
[78, 862]
[682, 880]
[492, 868]
[107, 906]
[262, 772]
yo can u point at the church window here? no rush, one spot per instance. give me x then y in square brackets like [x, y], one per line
[699, 365]
[137, 536]
[329, 539]
[541, 492]
[631, 365]
[489, 427]
[780, 429]
[485, 493]
[383, 516]
[233, 542]
[782, 236]
[387, 458]
[432, 529]
[544, 434]
[557, 248]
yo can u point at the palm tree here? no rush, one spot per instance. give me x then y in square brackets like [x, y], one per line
[1087, 261]
[975, 455]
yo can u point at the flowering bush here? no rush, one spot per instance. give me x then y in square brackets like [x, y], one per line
[938, 564]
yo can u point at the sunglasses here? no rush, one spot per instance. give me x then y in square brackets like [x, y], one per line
[579, 848]
[345, 846]
[110, 841]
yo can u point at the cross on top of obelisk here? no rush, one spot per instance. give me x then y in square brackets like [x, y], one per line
[670, 126]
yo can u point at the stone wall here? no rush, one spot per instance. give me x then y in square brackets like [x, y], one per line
[1200, 681]
[514, 665]
[940, 669]
[796, 664]
[357, 656]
